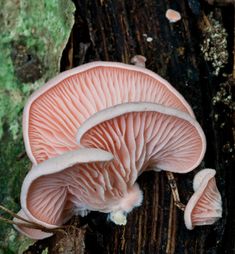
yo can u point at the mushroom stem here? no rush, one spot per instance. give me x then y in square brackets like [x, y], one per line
[118, 217]
[175, 191]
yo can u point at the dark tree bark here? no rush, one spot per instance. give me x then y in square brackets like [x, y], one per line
[116, 31]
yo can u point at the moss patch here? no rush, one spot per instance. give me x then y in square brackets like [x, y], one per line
[33, 36]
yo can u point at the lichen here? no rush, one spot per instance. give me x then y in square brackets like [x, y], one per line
[33, 33]
[224, 95]
[12, 172]
[33, 36]
[224, 108]
[45, 251]
[214, 44]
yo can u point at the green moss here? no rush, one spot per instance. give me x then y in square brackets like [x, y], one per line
[45, 251]
[42, 28]
[32, 32]
[12, 172]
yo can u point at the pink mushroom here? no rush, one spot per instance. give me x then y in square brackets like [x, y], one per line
[139, 135]
[145, 136]
[142, 135]
[205, 205]
[69, 180]
[55, 112]
[173, 16]
[74, 183]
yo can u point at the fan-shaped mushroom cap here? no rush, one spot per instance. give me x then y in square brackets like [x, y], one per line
[53, 113]
[205, 205]
[75, 182]
[173, 16]
[27, 231]
[142, 135]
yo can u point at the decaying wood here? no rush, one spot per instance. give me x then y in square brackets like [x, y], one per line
[71, 242]
[116, 31]
[174, 189]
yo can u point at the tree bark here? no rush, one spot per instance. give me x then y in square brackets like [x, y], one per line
[116, 31]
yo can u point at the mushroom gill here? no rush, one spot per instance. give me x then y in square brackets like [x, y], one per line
[53, 113]
[140, 135]
[74, 183]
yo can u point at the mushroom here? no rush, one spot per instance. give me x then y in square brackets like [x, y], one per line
[73, 183]
[139, 60]
[173, 16]
[142, 135]
[205, 205]
[145, 136]
[53, 113]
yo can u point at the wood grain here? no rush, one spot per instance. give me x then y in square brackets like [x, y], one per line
[116, 31]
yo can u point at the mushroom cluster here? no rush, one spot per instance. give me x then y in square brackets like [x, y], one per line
[91, 131]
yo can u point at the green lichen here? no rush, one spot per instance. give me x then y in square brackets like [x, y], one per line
[45, 251]
[42, 27]
[33, 36]
[14, 239]
[214, 44]
[12, 172]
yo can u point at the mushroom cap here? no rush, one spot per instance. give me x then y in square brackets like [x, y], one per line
[145, 135]
[77, 181]
[29, 232]
[205, 205]
[173, 16]
[54, 112]
[139, 60]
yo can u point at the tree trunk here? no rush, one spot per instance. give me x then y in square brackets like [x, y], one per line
[116, 31]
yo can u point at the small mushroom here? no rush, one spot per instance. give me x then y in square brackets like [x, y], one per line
[145, 135]
[173, 16]
[139, 60]
[53, 113]
[205, 205]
